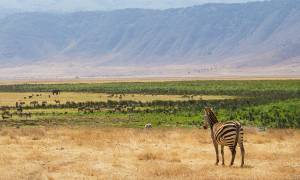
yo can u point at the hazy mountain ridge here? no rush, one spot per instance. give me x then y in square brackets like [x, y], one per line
[92, 5]
[234, 35]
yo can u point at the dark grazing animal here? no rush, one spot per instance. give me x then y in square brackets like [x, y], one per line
[25, 114]
[34, 103]
[22, 103]
[6, 115]
[19, 109]
[56, 92]
[86, 110]
[228, 133]
[81, 108]
[44, 103]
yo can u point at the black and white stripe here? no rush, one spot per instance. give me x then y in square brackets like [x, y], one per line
[228, 133]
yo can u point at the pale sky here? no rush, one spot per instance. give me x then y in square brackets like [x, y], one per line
[82, 5]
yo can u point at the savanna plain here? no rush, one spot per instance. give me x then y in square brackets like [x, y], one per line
[96, 130]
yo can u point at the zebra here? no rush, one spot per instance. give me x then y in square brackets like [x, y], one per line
[228, 133]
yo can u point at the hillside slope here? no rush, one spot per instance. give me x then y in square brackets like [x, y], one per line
[259, 35]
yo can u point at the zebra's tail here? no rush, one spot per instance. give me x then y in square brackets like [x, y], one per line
[237, 135]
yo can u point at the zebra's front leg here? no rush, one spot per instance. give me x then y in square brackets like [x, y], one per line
[222, 152]
[217, 152]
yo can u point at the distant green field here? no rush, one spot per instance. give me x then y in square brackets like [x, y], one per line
[268, 103]
[214, 87]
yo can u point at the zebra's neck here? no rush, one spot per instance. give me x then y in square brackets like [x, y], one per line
[211, 124]
[212, 119]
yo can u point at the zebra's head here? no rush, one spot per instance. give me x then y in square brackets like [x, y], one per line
[208, 112]
[205, 125]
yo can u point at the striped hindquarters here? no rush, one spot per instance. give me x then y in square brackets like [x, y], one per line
[226, 133]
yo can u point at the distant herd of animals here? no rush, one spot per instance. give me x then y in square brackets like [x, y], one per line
[19, 106]
[228, 133]
[6, 114]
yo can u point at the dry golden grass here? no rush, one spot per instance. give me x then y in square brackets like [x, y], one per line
[10, 99]
[119, 153]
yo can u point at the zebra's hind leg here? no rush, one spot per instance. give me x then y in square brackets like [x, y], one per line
[233, 152]
[217, 152]
[222, 152]
[242, 153]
